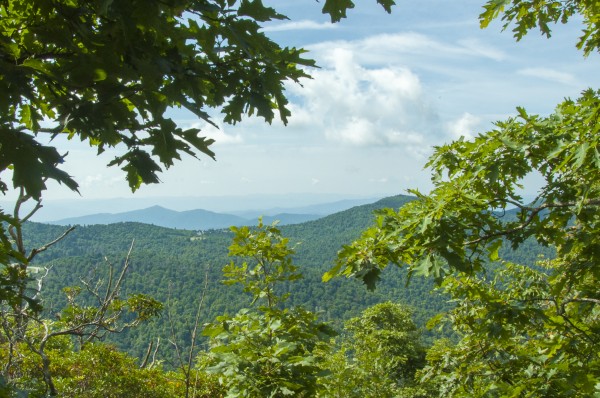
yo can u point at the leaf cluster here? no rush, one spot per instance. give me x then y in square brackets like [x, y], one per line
[106, 72]
[530, 14]
[268, 351]
[539, 337]
[462, 224]
[272, 262]
[380, 352]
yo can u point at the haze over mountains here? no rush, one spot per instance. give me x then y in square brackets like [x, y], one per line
[200, 219]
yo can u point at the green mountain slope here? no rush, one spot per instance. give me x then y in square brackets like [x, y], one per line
[171, 265]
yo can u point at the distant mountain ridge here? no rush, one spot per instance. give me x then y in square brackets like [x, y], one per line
[323, 209]
[200, 219]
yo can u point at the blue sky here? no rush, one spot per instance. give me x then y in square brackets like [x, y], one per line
[388, 89]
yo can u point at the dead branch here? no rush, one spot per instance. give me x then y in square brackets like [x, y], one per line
[35, 252]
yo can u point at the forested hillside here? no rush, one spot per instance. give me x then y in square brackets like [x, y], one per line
[170, 265]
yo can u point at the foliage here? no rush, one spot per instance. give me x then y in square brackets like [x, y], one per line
[107, 72]
[524, 330]
[272, 262]
[540, 338]
[528, 329]
[386, 338]
[170, 265]
[379, 354]
[95, 67]
[454, 229]
[99, 370]
[103, 311]
[268, 351]
[529, 14]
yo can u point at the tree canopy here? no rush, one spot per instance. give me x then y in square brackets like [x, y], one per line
[107, 72]
[272, 350]
[522, 329]
[526, 15]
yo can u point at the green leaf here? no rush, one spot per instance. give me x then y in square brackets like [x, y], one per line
[581, 154]
[99, 75]
[337, 8]
[387, 5]
[371, 278]
[257, 11]
[26, 116]
[494, 249]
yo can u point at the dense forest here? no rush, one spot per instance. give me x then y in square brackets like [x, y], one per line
[336, 307]
[183, 269]
[170, 265]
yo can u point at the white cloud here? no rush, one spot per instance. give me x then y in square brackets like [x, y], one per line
[465, 126]
[357, 106]
[356, 131]
[217, 134]
[548, 74]
[395, 47]
[477, 47]
[299, 25]
[90, 180]
[381, 180]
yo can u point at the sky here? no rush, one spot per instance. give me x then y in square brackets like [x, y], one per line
[388, 89]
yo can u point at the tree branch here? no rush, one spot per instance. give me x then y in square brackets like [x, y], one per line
[35, 252]
[583, 300]
[534, 211]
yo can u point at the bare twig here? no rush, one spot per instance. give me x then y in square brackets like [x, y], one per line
[582, 300]
[15, 231]
[173, 339]
[40, 283]
[195, 335]
[112, 291]
[148, 352]
[35, 252]
[186, 367]
[155, 351]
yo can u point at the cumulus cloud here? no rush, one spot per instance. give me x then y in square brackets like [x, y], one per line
[217, 133]
[548, 74]
[365, 94]
[358, 106]
[465, 126]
